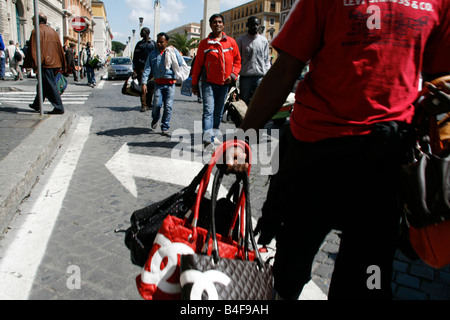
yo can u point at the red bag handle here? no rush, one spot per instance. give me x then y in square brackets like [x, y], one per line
[216, 157]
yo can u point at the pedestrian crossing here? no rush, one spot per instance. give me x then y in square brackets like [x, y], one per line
[26, 98]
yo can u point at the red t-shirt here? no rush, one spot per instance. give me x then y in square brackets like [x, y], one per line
[365, 57]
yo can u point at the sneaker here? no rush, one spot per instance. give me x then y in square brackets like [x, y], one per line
[165, 132]
[208, 146]
[144, 109]
[154, 125]
[217, 142]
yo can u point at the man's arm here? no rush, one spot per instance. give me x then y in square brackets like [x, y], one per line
[268, 99]
[197, 68]
[146, 74]
[272, 92]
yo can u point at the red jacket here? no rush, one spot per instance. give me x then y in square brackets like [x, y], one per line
[216, 60]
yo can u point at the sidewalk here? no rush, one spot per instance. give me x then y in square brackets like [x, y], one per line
[28, 143]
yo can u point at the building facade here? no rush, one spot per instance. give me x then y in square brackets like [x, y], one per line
[102, 31]
[286, 7]
[267, 11]
[16, 23]
[16, 15]
[191, 30]
[77, 8]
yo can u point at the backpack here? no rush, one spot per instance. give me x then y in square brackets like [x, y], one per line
[17, 56]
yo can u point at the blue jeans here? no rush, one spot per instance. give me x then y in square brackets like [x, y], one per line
[2, 67]
[214, 97]
[248, 86]
[90, 75]
[163, 97]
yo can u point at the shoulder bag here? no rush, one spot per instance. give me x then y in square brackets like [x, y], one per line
[425, 186]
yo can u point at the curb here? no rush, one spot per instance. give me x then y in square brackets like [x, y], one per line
[20, 169]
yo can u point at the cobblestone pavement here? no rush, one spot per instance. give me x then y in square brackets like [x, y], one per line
[97, 203]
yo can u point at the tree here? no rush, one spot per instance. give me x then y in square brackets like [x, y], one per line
[182, 43]
[117, 46]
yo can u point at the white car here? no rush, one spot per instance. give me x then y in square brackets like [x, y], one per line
[120, 67]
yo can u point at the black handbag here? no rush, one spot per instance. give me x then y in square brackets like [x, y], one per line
[425, 186]
[211, 277]
[131, 87]
[426, 178]
[145, 222]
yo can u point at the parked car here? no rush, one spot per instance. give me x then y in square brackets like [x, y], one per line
[120, 67]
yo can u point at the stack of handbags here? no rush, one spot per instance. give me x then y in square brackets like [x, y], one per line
[426, 179]
[192, 262]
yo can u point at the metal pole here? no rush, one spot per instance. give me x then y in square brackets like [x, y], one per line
[38, 56]
[79, 55]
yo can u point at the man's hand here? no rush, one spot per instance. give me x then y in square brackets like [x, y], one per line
[228, 80]
[195, 89]
[438, 101]
[144, 89]
[236, 160]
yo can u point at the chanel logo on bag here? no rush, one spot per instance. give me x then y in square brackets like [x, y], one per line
[159, 274]
[204, 282]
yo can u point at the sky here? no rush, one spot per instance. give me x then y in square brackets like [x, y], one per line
[123, 15]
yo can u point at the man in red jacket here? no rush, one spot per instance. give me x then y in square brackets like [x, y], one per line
[218, 63]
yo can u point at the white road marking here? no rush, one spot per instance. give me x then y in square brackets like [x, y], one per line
[126, 166]
[27, 97]
[25, 246]
[101, 84]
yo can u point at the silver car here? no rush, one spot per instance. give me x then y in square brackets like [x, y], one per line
[120, 67]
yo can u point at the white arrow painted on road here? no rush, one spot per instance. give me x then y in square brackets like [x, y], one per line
[126, 167]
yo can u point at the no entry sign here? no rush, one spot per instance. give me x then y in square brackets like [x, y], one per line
[79, 24]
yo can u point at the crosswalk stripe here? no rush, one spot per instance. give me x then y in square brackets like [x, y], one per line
[26, 97]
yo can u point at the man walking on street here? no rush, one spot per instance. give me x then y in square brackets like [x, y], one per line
[348, 137]
[14, 62]
[86, 56]
[141, 52]
[217, 64]
[53, 60]
[254, 50]
[160, 64]
[70, 60]
[2, 58]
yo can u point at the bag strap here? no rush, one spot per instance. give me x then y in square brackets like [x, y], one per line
[425, 119]
[246, 216]
[215, 159]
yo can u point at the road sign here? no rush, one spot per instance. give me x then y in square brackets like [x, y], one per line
[79, 24]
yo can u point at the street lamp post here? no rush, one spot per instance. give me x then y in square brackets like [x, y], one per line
[141, 23]
[132, 44]
[129, 46]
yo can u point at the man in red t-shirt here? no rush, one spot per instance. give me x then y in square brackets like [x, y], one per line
[347, 132]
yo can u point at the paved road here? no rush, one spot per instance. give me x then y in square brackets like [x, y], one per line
[109, 165]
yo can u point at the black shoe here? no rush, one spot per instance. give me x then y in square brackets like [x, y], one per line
[154, 125]
[37, 109]
[56, 111]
